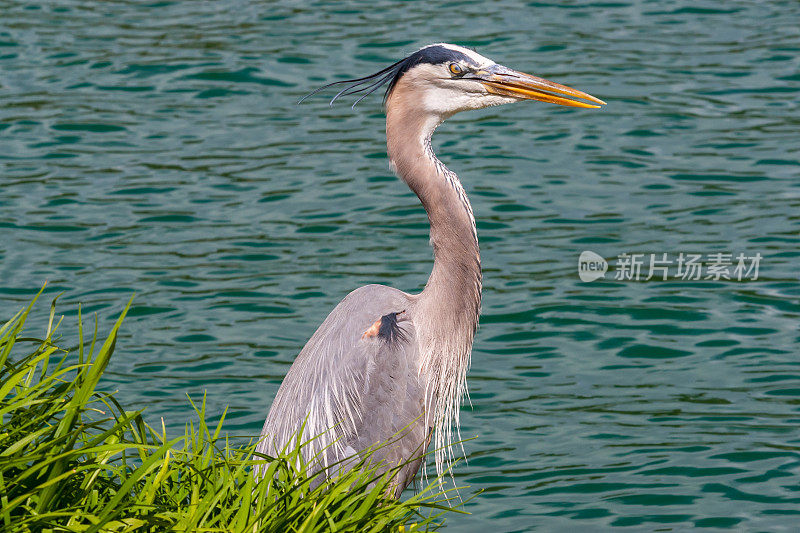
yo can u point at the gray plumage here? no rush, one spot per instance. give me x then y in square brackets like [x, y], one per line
[386, 365]
[353, 389]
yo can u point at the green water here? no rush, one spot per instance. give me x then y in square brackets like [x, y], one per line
[157, 148]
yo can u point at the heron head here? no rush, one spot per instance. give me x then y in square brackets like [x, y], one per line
[443, 79]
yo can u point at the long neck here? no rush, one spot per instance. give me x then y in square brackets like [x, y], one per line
[454, 285]
[447, 310]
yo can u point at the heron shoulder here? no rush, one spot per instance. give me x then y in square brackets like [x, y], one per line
[357, 354]
[349, 321]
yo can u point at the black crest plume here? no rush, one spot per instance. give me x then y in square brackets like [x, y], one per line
[366, 85]
[369, 84]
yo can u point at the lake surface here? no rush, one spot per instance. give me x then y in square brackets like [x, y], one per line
[157, 148]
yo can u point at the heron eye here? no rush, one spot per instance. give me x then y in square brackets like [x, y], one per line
[456, 69]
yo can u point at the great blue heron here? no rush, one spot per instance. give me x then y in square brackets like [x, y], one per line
[387, 365]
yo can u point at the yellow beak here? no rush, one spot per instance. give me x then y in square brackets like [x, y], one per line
[506, 82]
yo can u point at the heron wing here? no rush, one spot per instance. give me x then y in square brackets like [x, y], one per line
[355, 384]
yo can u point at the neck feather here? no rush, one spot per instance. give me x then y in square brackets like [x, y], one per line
[447, 310]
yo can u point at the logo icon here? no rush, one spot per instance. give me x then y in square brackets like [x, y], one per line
[591, 266]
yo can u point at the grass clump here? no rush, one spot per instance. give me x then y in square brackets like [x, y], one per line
[73, 459]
